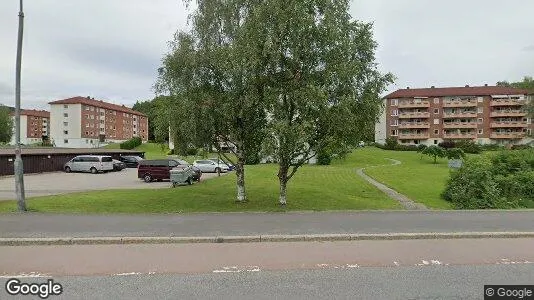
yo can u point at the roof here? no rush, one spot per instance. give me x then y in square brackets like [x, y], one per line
[77, 151]
[456, 91]
[97, 103]
[33, 112]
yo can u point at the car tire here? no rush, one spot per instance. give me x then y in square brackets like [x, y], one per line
[217, 170]
[189, 181]
[67, 169]
[147, 178]
[93, 170]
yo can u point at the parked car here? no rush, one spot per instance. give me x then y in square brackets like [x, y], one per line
[197, 171]
[130, 161]
[157, 169]
[89, 163]
[118, 165]
[224, 165]
[209, 166]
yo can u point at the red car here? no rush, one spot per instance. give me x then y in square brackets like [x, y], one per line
[159, 169]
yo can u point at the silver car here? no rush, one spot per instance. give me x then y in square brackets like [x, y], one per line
[89, 163]
[209, 166]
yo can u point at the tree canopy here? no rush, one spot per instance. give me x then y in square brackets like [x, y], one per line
[6, 125]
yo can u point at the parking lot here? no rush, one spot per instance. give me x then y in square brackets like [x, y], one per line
[62, 183]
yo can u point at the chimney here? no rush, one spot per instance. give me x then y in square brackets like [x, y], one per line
[467, 85]
[407, 87]
[432, 87]
[486, 84]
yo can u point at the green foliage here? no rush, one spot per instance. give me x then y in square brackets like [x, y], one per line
[131, 143]
[435, 152]
[6, 125]
[447, 144]
[391, 143]
[469, 146]
[520, 147]
[492, 147]
[170, 152]
[455, 153]
[502, 181]
[192, 151]
[324, 157]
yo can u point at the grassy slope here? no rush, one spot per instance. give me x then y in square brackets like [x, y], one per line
[334, 187]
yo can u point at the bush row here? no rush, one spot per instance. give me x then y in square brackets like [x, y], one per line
[504, 180]
[131, 143]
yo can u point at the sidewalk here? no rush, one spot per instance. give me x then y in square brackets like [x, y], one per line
[249, 224]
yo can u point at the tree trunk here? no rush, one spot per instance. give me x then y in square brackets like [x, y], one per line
[240, 173]
[282, 177]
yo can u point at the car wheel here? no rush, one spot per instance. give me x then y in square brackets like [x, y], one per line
[147, 178]
[67, 169]
[93, 170]
[189, 181]
[217, 170]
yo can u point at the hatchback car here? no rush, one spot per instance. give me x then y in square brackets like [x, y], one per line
[130, 161]
[209, 166]
[118, 165]
[224, 165]
[89, 163]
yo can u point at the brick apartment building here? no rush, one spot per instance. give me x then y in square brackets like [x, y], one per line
[34, 126]
[484, 114]
[82, 122]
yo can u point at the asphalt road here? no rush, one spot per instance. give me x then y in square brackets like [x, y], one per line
[415, 269]
[60, 183]
[238, 224]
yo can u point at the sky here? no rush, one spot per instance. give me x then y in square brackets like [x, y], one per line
[110, 50]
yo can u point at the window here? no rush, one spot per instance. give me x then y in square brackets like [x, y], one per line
[65, 106]
[436, 131]
[65, 115]
[394, 132]
[480, 99]
[87, 133]
[87, 117]
[86, 124]
[480, 131]
[436, 111]
[436, 121]
[92, 108]
[65, 123]
[435, 142]
[87, 108]
[394, 112]
[480, 110]
[480, 120]
[101, 113]
[65, 141]
[101, 122]
[86, 141]
[65, 132]
[92, 117]
[394, 102]
[436, 100]
[394, 122]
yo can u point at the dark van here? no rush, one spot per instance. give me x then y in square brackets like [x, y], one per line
[155, 169]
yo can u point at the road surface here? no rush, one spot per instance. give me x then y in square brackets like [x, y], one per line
[239, 224]
[414, 269]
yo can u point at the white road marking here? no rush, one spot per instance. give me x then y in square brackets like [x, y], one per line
[396, 263]
[31, 274]
[127, 274]
[235, 269]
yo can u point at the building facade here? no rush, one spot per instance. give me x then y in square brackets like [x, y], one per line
[82, 122]
[34, 126]
[484, 114]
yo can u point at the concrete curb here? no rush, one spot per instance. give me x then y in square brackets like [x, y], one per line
[260, 238]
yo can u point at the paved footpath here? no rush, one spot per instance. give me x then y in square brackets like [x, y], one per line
[243, 224]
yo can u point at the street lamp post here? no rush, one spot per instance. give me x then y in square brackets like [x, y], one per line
[19, 168]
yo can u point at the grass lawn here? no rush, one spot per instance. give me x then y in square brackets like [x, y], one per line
[335, 187]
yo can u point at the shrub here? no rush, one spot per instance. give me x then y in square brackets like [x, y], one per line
[324, 157]
[170, 152]
[455, 153]
[401, 147]
[520, 147]
[131, 143]
[491, 147]
[192, 151]
[391, 143]
[469, 147]
[447, 144]
[421, 147]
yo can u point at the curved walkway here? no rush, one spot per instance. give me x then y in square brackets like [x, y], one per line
[403, 200]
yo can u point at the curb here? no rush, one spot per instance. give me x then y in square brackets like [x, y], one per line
[260, 238]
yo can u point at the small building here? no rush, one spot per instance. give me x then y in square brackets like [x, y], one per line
[40, 160]
[34, 126]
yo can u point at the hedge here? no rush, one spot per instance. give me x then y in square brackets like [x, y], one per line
[131, 143]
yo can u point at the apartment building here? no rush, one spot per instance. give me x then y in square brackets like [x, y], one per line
[82, 122]
[484, 114]
[34, 126]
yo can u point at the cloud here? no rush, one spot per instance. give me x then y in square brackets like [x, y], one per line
[529, 48]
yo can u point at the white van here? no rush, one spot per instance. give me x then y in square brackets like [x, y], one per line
[89, 163]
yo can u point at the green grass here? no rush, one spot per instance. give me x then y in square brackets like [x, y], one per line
[318, 188]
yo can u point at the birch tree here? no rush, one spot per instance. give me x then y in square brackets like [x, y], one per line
[324, 84]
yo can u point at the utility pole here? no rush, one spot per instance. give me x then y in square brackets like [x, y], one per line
[19, 168]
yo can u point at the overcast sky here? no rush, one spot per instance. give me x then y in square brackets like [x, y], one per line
[111, 50]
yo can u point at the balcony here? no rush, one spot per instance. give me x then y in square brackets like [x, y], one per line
[512, 124]
[414, 125]
[460, 125]
[462, 103]
[507, 135]
[509, 113]
[406, 104]
[414, 115]
[507, 102]
[471, 135]
[460, 115]
[413, 136]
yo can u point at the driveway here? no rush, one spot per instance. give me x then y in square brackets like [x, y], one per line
[62, 183]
